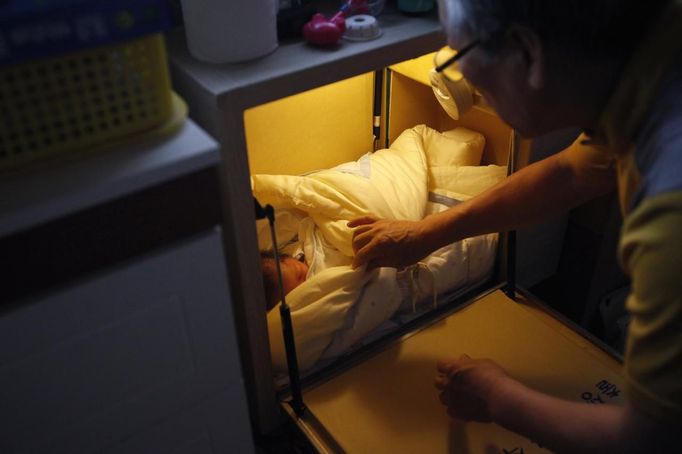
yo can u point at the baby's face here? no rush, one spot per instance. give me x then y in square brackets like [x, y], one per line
[294, 273]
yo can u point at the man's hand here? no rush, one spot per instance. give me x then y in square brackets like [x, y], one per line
[381, 242]
[468, 386]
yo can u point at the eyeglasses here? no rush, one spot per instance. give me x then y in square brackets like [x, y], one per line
[440, 68]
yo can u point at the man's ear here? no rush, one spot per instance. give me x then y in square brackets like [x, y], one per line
[531, 52]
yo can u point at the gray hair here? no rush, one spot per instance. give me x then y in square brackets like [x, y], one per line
[589, 28]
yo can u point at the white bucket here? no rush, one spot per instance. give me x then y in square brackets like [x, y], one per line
[228, 31]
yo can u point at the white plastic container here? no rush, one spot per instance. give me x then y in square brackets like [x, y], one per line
[362, 27]
[229, 31]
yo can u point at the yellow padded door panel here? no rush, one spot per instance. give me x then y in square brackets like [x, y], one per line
[387, 404]
[316, 129]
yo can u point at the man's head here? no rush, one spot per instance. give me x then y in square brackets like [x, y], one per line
[545, 64]
[294, 273]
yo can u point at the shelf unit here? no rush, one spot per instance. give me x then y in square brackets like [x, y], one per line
[218, 95]
[116, 323]
[51, 190]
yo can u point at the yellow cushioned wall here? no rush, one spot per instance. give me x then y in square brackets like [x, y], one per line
[316, 129]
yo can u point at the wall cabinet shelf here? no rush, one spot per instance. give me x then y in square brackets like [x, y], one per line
[116, 325]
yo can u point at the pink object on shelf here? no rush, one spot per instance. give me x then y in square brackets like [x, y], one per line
[321, 31]
[324, 32]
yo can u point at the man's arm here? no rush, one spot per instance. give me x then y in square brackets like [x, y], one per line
[480, 390]
[535, 193]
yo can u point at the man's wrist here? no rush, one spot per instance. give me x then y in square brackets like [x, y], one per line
[503, 397]
[431, 233]
[440, 229]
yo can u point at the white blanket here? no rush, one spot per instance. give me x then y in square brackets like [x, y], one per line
[337, 306]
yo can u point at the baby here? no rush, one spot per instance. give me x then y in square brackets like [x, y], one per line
[294, 273]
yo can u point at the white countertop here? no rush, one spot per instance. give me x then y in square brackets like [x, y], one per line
[53, 189]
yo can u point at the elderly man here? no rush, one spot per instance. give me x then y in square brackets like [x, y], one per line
[614, 69]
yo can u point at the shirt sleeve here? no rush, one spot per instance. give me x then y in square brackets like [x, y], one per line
[651, 252]
[590, 160]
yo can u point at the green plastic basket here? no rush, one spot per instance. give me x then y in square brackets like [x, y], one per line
[77, 101]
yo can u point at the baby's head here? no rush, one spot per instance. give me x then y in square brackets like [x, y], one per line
[294, 273]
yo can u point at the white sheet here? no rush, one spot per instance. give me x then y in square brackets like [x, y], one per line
[337, 306]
